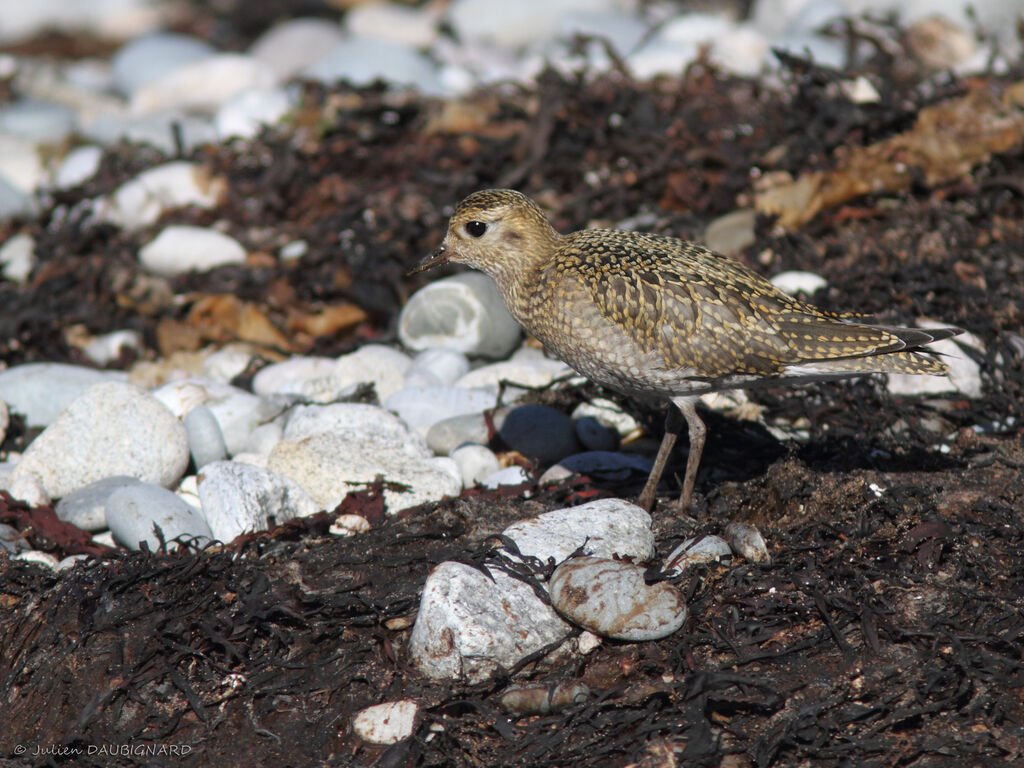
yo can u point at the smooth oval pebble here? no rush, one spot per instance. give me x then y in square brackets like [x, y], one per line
[205, 438]
[746, 540]
[611, 599]
[86, 507]
[248, 112]
[464, 312]
[203, 84]
[448, 434]
[601, 465]
[179, 249]
[386, 723]
[133, 511]
[18, 258]
[292, 45]
[445, 365]
[796, 281]
[700, 549]
[35, 556]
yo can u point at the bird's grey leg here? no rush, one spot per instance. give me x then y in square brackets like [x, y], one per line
[673, 426]
[697, 431]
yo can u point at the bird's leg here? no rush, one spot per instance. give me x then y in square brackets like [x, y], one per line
[673, 426]
[697, 431]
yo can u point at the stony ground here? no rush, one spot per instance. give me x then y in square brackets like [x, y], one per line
[889, 630]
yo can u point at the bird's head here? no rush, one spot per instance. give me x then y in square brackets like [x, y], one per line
[499, 231]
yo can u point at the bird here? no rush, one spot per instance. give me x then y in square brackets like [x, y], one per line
[664, 319]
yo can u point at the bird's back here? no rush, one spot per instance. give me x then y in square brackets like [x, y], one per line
[660, 316]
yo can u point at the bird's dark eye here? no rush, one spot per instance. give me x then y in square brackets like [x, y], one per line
[475, 228]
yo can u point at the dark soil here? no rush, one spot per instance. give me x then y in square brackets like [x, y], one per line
[889, 631]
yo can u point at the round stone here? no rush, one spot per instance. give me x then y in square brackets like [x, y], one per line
[611, 598]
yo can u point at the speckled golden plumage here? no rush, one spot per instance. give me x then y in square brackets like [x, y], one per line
[660, 317]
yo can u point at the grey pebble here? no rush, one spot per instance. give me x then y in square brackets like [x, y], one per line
[205, 438]
[86, 507]
[133, 511]
[539, 432]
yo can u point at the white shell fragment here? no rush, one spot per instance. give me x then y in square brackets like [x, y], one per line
[611, 598]
[700, 549]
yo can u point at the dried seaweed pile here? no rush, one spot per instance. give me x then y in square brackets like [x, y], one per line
[890, 629]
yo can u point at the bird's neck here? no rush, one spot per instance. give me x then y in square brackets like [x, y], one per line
[517, 277]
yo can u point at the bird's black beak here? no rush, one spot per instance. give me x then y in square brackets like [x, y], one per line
[438, 257]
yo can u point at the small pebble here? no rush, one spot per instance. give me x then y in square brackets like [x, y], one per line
[148, 58]
[448, 434]
[249, 112]
[11, 539]
[795, 282]
[141, 201]
[108, 347]
[78, 166]
[445, 366]
[475, 462]
[600, 465]
[204, 84]
[612, 599]
[179, 249]
[386, 723]
[744, 539]
[18, 258]
[292, 45]
[133, 511]
[363, 61]
[514, 475]
[349, 525]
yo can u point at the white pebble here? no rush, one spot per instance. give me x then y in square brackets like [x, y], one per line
[604, 528]
[78, 166]
[311, 378]
[203, 84]
[111, 429]
[410, 27]
[514, 475]
[386, 723]
[291, 46]
[179, 249]
[18, 258]
[464, 312]
[470, 626]
[476, 463]
[147, 59]
[142, 200]
[795, 281]
[612, 599]
[35, 556]
[21, 164]
[349, 525]
[362, 61]
[40, 391]
[426, 406]
[239, 498]
[445, 366]
[329, 465]
[245, 114]
[108, 347]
